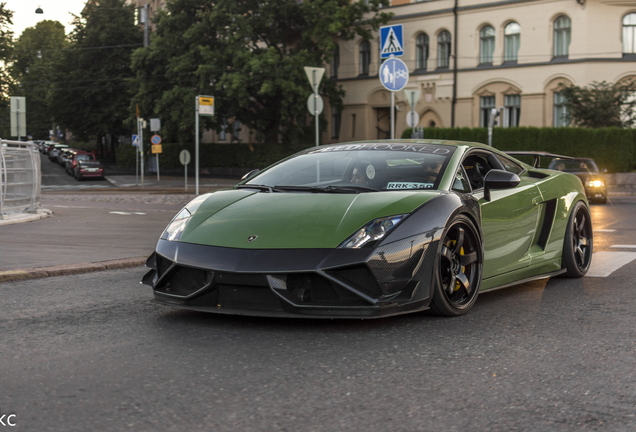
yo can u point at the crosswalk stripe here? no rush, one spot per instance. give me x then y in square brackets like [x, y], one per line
[605, 263]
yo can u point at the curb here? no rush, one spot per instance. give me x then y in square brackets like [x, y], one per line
[69, 269]
[14, 218]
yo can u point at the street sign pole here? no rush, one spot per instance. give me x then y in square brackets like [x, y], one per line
[196, 149]
[316, 107]
[137, 163]
[393, 114]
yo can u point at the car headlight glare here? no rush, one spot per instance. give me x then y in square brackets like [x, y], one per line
[374, 230]
[175, 228]
[596, 183]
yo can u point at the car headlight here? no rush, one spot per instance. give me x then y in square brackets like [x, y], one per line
[374, 230]
[175, 228]
[596, 183]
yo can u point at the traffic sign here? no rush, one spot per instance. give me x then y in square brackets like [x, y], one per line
[156, 148]
[391, 41]
[394, 75]
[155, 124]
[412, 96]
[184, 157]
[136, 140]
[314, 78]
[155, 139]
[315, 105]
[412, 118]
[206, 105]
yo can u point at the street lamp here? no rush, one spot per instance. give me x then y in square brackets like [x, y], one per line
[39, 10]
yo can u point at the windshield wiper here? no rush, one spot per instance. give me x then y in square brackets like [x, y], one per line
[263, 188]
[328, 189]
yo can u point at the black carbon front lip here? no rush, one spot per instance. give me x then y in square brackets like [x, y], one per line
[271, 282]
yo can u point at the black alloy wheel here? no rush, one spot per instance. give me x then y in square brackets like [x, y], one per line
[459, 269]
[578, 242]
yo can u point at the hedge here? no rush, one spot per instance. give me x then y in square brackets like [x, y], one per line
[216, 155]
[611, 148]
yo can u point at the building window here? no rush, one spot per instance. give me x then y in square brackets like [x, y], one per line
[236, 130]
[353, 125]
[562, 35]
[486, 103]
[560, 111]
[629, 33]
[421, 51]
[443, 49]
[365, 57]
[335, 122]
[512, 38]
[512, 109]
[335, 62]
[223, 133]
[486, 44]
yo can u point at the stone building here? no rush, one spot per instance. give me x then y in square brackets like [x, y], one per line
[468, 56]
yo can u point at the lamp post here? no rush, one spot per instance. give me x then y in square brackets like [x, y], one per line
[39, 10]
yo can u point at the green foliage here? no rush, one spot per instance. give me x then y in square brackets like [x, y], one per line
[250, 56]
[92, 93]
[611, 148]
[6, 47]
[215, 155]
[601, 104]
[35, 54]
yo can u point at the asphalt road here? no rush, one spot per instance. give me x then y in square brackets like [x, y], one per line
[93, 352]
[54, 177]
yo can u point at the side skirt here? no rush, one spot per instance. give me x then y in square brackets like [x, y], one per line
[521, 281]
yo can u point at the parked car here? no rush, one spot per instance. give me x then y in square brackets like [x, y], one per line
[75, 156]
[371, 229]
[88, 169]
[586, 170]
[54, 151]
[63, 155]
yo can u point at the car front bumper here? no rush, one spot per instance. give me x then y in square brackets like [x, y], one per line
[320, 283]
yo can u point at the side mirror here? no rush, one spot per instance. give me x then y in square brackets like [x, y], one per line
[250, 174]
[499, 179]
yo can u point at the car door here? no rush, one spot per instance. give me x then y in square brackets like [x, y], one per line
[509, 219]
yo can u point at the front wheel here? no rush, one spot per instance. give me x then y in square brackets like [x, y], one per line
[578, 242]
[458, 269]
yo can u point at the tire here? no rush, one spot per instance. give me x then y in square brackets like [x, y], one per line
[578, 242]
[458, 269]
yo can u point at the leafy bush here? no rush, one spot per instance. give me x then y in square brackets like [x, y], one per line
[611, 148]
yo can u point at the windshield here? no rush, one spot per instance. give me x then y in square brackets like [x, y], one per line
[574, 165]
[359, 167]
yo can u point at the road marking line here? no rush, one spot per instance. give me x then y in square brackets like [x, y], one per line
[120, 213]
[605, 263]
[604, 230]
[624, 246]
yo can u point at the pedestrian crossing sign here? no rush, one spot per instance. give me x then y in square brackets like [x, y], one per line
[391, 41]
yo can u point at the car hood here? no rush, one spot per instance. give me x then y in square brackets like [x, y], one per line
[292, 220]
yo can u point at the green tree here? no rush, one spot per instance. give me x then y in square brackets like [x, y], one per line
[34, 58]
[6, 46]
[91, 95]
[250, 56]
[602, 104]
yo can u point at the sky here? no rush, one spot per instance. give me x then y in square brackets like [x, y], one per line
[56, 10]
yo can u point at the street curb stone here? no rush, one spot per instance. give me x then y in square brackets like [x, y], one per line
[69, 269]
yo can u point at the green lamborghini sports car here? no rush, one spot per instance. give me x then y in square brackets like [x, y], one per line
[371, 229]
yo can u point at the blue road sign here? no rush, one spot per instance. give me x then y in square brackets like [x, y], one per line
[136, 140]
[391, 41]
[394, 75]
[155, 139]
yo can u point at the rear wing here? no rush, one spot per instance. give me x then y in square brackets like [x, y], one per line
[537, 156]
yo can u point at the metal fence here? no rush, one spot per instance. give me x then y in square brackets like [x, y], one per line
[20, 177]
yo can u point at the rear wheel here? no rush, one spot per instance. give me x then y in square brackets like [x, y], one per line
[458, 269]
[578, 242]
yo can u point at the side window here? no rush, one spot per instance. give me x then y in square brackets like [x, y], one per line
[476, 166]
[461, 182]
[510, 166]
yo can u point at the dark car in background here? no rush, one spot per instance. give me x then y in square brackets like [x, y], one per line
[88, 169]
[54, 151]
[74, 157]
[588, 172]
